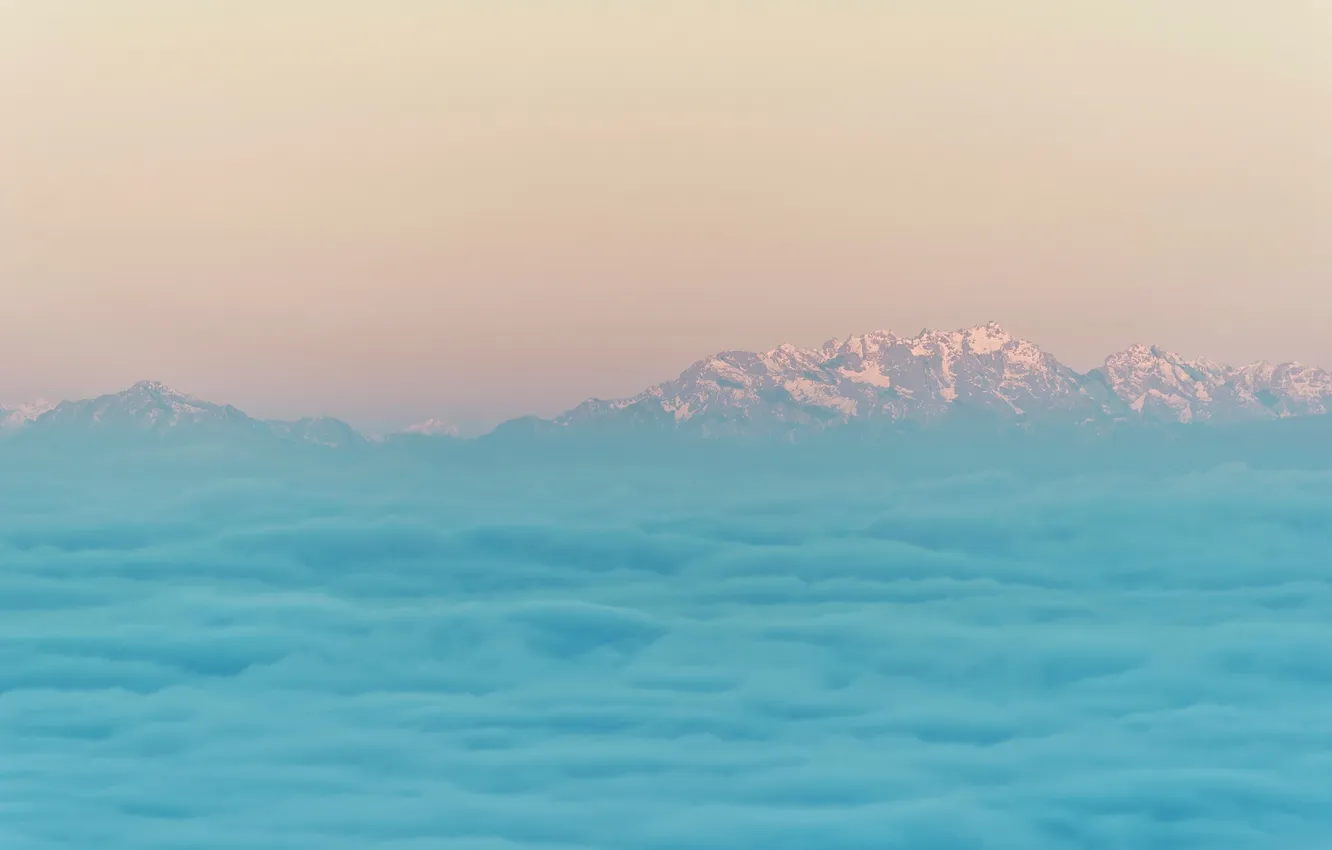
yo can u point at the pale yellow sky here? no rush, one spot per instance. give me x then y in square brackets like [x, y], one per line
[488, 208]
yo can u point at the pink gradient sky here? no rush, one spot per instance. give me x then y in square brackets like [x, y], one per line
[387, 211]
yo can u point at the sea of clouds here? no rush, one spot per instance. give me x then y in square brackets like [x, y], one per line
[501, 652]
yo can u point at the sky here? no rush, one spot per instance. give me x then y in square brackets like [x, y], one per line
[386, 211]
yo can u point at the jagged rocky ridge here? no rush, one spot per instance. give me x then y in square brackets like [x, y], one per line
[936, 374]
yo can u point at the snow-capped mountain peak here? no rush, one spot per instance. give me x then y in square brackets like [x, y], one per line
[157, 388]
[432, 428]
[936, 373]
[877, 375]
[149, 405]
[152, 407]
[1159, 384]
[17, 416]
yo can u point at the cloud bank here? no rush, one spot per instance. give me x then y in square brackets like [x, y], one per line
[590, 655]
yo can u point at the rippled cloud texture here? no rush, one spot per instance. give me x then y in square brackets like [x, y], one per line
[497, 655]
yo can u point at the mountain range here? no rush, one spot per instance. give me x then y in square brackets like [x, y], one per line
[154, 408]
[875, 377]
[940, 374]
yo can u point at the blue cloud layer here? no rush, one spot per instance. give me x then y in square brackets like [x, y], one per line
[573, 655]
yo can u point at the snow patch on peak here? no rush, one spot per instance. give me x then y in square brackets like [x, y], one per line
[158, 388]
[14, 417]
[863, 345]
[433, 428]
[987, 338]
[871, 374]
